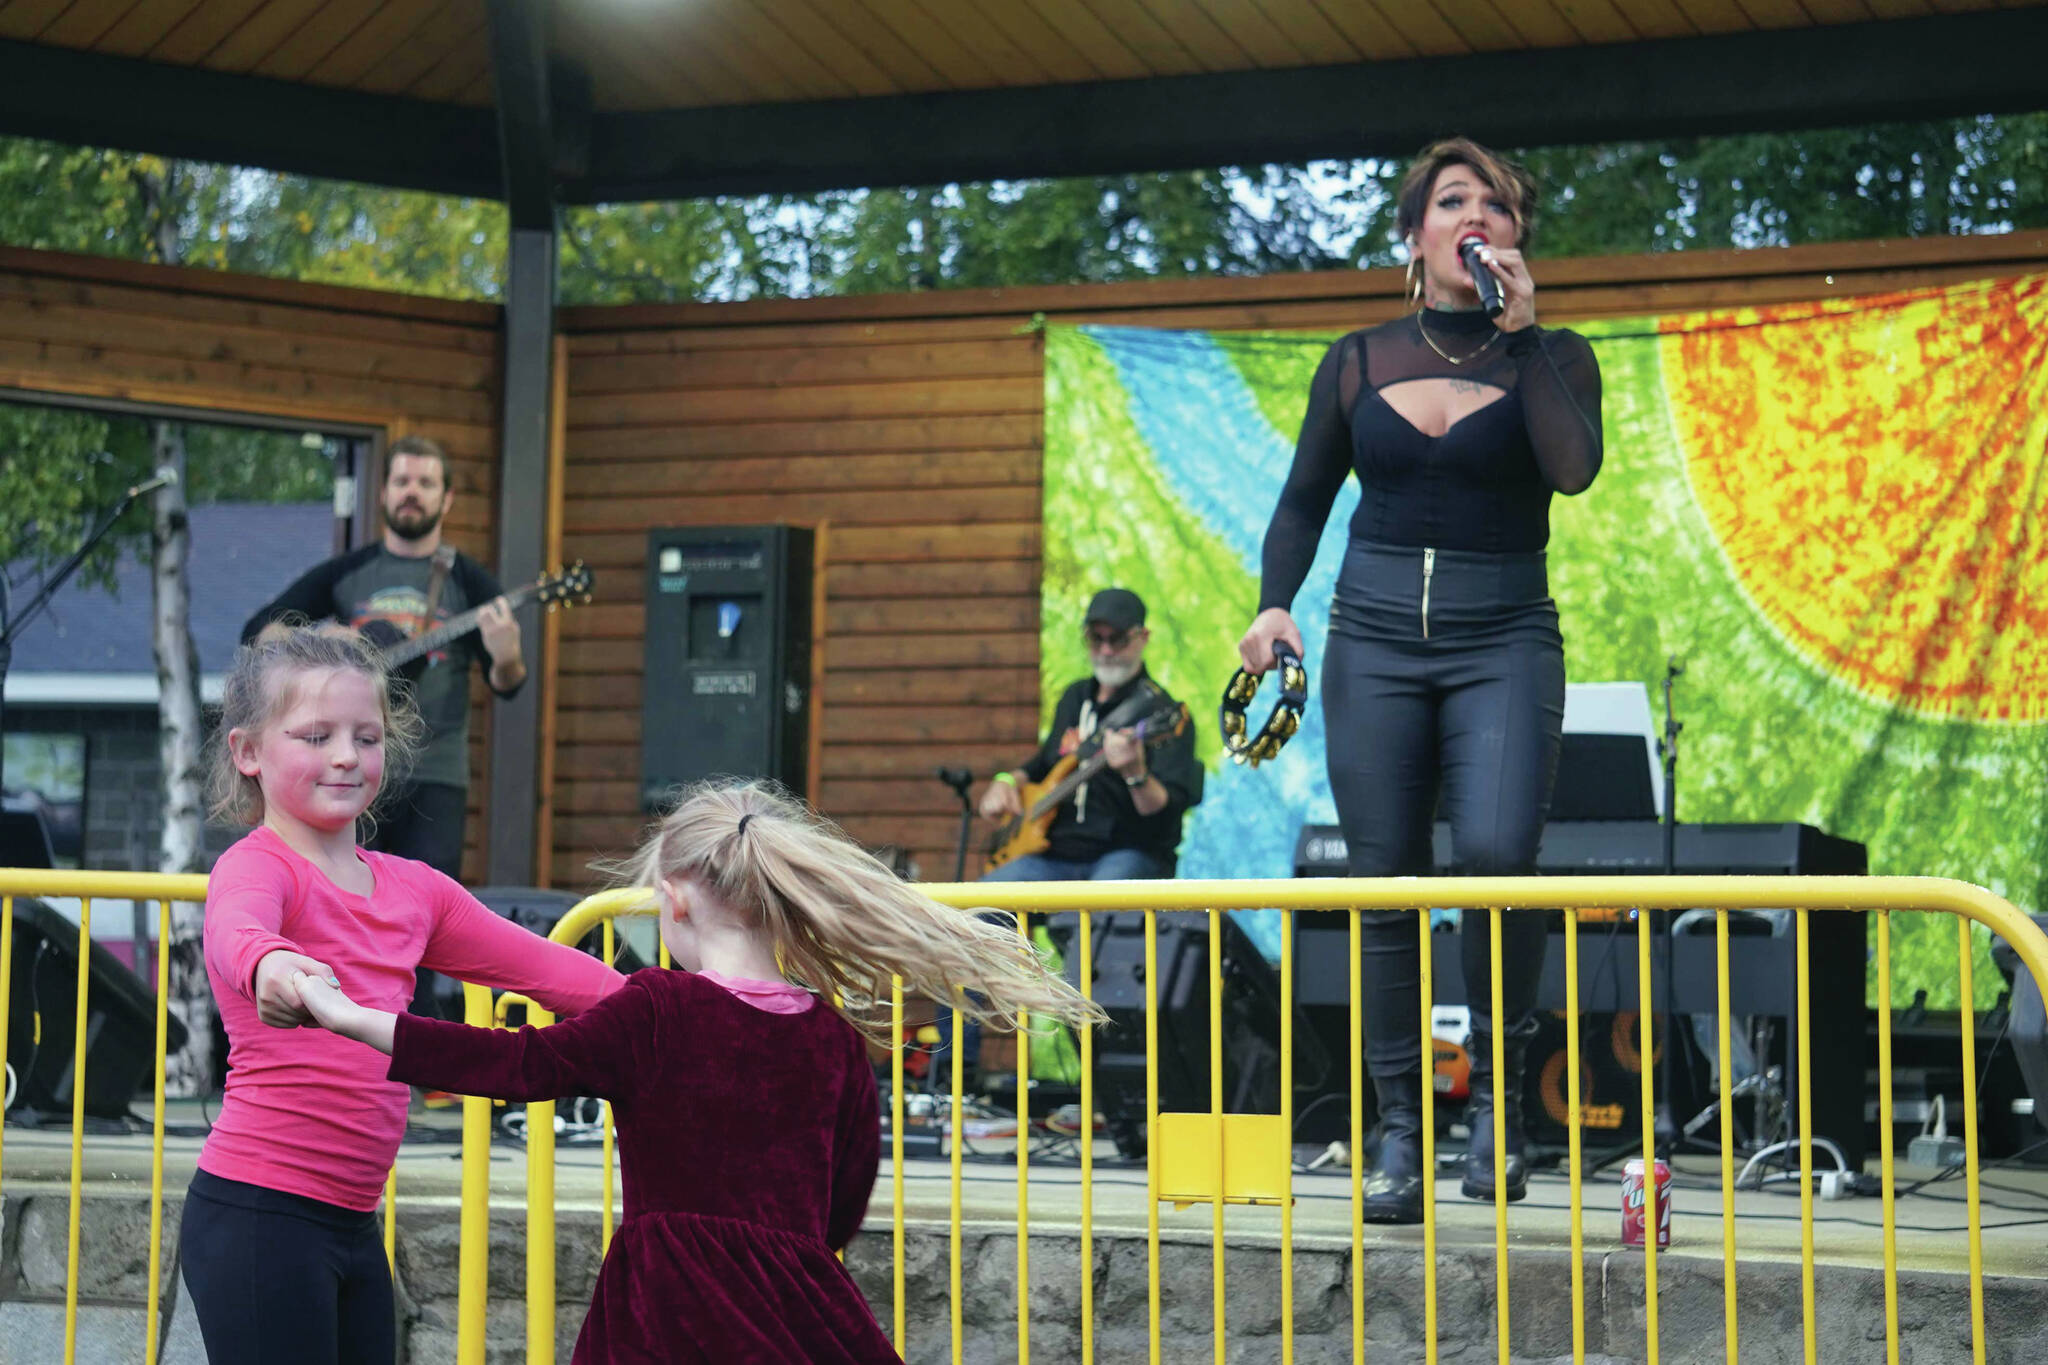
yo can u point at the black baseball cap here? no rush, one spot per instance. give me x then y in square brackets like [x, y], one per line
[1117, 607]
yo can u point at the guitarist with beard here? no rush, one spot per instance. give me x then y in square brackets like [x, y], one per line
[394, 581]
[1124, 821]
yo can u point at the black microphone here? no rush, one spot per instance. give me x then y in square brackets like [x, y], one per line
[957, 778]
[1482, 279]
[165, 476]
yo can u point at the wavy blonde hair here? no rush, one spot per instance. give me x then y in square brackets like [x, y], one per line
[840, 921]
[262, 682]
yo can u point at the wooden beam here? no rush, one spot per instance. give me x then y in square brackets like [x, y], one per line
[140, 106]
[1833, 75]
[524, 430]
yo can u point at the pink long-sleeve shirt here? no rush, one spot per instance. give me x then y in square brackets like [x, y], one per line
[307, 1111]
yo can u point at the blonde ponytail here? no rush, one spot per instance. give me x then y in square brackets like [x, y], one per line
[840, 921]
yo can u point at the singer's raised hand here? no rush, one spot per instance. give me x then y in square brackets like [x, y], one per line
[1518, 290]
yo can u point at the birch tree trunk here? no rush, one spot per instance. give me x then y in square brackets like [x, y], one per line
[180, 742]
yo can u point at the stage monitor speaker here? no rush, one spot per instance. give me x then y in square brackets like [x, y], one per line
[726, 678]
[1251, 1024]
[120, 1025]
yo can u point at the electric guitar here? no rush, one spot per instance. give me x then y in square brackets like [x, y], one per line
[1027, 833]
[403, 654]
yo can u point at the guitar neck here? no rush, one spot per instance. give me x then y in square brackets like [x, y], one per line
[1068, 785]
[449, 631]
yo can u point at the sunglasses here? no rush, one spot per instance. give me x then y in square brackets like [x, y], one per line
[1106, 639]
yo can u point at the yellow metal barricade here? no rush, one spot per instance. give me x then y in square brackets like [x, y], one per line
[1215, 1157]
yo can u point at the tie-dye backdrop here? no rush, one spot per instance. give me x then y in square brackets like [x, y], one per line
[1826, 510]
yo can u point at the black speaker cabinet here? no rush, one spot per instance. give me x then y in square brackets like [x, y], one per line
[1251, 1024]
[120, 1023]
[727, 673]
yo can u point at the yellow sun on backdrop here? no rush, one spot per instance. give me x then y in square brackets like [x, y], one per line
[1874, 471]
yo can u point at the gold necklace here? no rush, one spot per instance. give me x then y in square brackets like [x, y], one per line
[1454, 359]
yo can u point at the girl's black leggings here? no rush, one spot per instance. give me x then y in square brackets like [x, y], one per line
[280, 1279]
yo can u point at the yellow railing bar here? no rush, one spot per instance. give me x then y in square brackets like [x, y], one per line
[6, 1005]
[1427, 990]
[958, 1129]
[1573, 1137]
[391, 1219]
[1885, 1139]
[1652, 1190]
[1024, 1169]
[1965, 974]
[156, 1136]
[1722, 1001]
[1217, 1314]
[1287, 1147]
[1151, 993]
[1357, 1151]
[66, 883]
[1084, 974]
[896, 1154]
[6, 986]
[540, 1204]
[78, 1039]
[1498, 1042]
[472, 1258]
[1805, 1012]
[604, 1114]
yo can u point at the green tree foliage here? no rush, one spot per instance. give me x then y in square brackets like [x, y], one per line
[1968, 175]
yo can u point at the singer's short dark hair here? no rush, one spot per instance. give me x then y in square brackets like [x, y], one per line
[1509, 179]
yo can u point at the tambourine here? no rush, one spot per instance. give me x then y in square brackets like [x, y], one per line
[1280, 725]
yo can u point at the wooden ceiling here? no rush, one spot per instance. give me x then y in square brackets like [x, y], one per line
[689, 54]
[583, 100]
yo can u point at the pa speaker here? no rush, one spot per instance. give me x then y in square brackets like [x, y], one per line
[120, 1024]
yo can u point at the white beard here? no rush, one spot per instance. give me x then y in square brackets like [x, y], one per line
[1115, 675]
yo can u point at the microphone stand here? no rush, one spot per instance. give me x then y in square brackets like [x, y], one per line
[1668, 1138]
[960, 779]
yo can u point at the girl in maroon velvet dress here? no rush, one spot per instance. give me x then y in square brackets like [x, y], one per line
[746, 1105]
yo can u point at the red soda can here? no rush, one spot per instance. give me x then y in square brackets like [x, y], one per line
[1633, 1199]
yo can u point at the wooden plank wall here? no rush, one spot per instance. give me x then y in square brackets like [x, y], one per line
[913, 424]
[95, 328]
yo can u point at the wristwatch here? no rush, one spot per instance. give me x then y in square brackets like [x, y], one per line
[1140, 780]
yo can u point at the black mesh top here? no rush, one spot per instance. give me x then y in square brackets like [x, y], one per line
[1484, 485]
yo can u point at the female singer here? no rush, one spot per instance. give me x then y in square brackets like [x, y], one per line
[1444, 672]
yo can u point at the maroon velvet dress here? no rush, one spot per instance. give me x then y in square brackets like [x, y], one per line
[748, 1142]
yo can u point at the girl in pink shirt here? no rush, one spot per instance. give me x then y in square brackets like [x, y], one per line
[280, 1244]
[746, 1104]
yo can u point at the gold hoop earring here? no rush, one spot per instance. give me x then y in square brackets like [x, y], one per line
[1414, 282]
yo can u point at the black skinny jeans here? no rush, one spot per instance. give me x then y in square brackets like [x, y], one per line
[1444, 675]
[280, 1279]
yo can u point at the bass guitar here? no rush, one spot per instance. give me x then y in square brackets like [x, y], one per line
[404, 654]
[1027, 833]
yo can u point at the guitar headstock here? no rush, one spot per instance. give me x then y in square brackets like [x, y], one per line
[1167, 722]
[564, 587]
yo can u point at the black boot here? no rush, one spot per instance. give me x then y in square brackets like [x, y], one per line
[1393, 1190]
[1478, 1182]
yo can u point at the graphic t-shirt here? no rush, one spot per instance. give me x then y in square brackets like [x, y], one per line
[372, 584]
